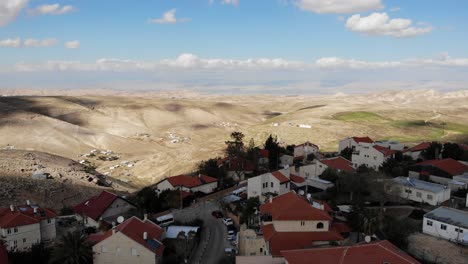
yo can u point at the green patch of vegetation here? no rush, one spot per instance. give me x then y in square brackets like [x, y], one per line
[418, 130]
[358, 116]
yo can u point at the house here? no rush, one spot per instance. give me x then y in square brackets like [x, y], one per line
[133, 241]
[286, 160]
[291, 221]
[390, 144]
[277, 182]
[305, 149]
[25, 225]
[188, 183]
[380, 252]
[447, 223]
[371, 156]
[104, 208]
[263, 160]
[422, 191]
[416, 152]
[440, 171]
[353, 142]
[237, 168]
[336, 163]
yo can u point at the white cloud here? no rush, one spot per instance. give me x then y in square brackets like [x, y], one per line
[52, 9]
[381, 24]
[36, 43]
[230, 2]
[169, 17]
[12, 43]
[75, 44]
[9, 10]
[339, 6]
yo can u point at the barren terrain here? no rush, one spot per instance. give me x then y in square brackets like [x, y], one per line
[139, 140]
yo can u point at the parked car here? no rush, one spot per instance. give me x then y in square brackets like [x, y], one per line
[231, 234]
[230, 251]
[228, 221]
[217, 214]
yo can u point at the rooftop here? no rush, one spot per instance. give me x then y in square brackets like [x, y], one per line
[96, 205]
[385, 151]
[450, 216]
[420, 147]
[24, 215]
[189, 181]
[371, 253]
[421, 185]
[280, 176]
[450, 166]
[362, 139]
[338, 163]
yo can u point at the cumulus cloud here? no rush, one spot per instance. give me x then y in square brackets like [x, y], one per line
[37, 43]
[169, 17]
[9, 10]
[12, 43]
[381, 24]
[52, 9]
[75, 44]
[339, 6]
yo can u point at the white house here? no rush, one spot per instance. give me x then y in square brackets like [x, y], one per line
[447, 223]
[422, 191]
[371, 156]
[133, 241]
[394, 145]
[286, 160]
[353, 142]
[104, 208]
[305, 149]
[188, 183]
[416, 152]
[439, 170]
[23, 226]
[277, 182]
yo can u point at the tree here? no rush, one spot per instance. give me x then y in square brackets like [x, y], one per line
[39, 254]
[347, 153]
[72, 248]
[330, 175]
[252, 204]
[398, 231]
[171, 198]
[452, 150]
[354, 184]
[210, 167]
[235, 146]
[433, 151]
[147, 199]
[272, 145]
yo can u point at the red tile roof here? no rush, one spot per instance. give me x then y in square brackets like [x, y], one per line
[3, 254]
[96, 205]
[264, 153]
[340, 227]
[372, 253]
[291, 206]
[385, 151]
[296, 179]
[450, 166]
[363, 139]
[338, 163]
[188, 181]
[280, 241]
[240, 164]
[24, 215]
[420, 147]
[134, 228]
[280, 176]
[307, 144]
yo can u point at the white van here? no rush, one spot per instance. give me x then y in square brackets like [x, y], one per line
[165, 220]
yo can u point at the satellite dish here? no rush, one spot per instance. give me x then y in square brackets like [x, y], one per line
[367, 239]
[120, 219]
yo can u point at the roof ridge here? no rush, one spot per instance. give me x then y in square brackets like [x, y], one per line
[345, 251]
[394, 252]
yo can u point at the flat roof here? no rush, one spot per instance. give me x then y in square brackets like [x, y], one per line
[174, 231]
[450, 216]
[421, 185]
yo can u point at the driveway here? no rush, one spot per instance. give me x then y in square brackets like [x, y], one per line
[213, 236]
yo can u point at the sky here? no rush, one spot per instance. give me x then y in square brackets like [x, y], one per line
[235, 46]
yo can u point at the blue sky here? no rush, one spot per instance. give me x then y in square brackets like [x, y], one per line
[243, 44]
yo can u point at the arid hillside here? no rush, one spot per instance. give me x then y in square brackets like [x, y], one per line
[139, 140]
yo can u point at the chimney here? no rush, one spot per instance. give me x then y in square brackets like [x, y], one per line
[271, 199]
[113, 224]
[145, 217]
[35, 210]
[145, 235]
[113, 230]
[12, 208]
[28, 202]
[199, 175]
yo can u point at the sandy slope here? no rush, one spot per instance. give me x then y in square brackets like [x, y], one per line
[137, 128]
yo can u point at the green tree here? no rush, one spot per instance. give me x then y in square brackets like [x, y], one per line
[272, 145]
[247, 215]
[347, 153]
[170, 198]
[235, 146]
[354, 184]
[452, 150]
[210, 167]
[147, 199]
[398, 231]
[330, 175]
[72, 248]
[433, 152]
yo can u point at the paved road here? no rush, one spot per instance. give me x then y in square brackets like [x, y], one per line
[213, 236]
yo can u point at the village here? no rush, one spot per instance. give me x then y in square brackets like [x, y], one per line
[370, 201]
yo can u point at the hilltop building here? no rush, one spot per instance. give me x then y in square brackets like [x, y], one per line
[188, 183]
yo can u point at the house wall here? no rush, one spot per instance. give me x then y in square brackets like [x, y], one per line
[412, 194]
[300, 226]
[254, 186]
[368, 156]
[436, 230]
[48, 230]
[117, 208]
[305, 150]
[287, 160]
[32, 234]
[266, 183]
[164, 185]
[119, 251]
[252, 245]
[350, 143]
[206, 188]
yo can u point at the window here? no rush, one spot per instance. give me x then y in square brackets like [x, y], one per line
[118, 250]
[261, 250]
[408, 191]
[134, 252]
[459, 230]
[9, 231]
[49, 221]
[429, 197]
[443, 227]
[103, 249]
[286, 185]
[302, 223]
[320, 225]
[15, 243]
[429, 223]
[24, 240]
[16, 230]
[271, 184]
[418, 194]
